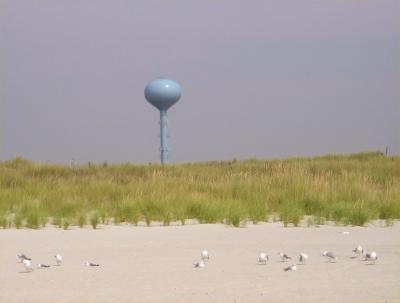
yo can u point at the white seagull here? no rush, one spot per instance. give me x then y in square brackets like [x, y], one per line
[330, 255]
[40, 265]
[28, 265]
[91, 264]
[21, 257]
[205, 255]
[284, 257]
[199, 264]
[371, 256]
[263, 258]
[292, 267]
[303, 258]
[357, 251]
[58, 259]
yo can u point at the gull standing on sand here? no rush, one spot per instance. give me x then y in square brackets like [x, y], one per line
[58, 259]
[357, 251]
[292, 267]
[21, 257]
[199, 264]
[330, 255]
[263, 258]
[284, 257]
[205, 255]
[91, 264]
[303, 258]
[28, 265]
[371, 257]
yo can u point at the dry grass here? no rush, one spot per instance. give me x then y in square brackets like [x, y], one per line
[349, 189]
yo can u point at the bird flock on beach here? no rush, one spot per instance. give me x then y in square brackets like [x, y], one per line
[27, 262]
[263, 258]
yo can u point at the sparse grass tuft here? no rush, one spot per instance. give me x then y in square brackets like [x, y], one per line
[18, 221]
[234, 217]
[389, 210]
[258, 212]
[340, 210]
[3, 221]
[66, 224]
[319, 220]
[43, 221]
[291, 213]
[204, 212]
[167, 218]
[57, 221]
[94, 220]
[359, 216]
[81, 220]
[33, 220]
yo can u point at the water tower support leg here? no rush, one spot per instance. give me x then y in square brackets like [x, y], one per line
[163, 136]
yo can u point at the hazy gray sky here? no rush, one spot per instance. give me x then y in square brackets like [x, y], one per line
[260, 78]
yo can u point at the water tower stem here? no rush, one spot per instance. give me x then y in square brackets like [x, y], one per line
[163, 136]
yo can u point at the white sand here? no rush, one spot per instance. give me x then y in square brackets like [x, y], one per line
[154, 264]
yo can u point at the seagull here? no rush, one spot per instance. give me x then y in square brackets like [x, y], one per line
[21, 257]
[284, 257]
[292, 267]
[303, 258]
[91, 264]
[371, 256]
[28, 265]
[205, 255]
[330, 255]
[58, 259]
[345, 232]
[40, 265]
[199, 264]
[358, 251]
[263, 258]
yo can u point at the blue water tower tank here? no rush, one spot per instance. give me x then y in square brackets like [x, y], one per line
[162, 93]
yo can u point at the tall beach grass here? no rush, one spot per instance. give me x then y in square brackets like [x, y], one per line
[348, 189]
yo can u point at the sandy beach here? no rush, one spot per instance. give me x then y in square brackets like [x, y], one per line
[155, 264]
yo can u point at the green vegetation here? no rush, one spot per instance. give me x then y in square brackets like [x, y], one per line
[349, 189]
[66, 224]
[81, 220]
[4, 223]
[94, 220]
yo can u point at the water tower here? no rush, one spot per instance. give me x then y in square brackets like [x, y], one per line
[163, 93]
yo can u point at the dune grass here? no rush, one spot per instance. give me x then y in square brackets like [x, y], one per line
[348, 189]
